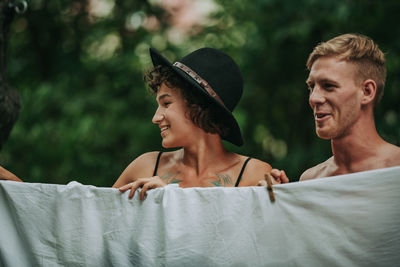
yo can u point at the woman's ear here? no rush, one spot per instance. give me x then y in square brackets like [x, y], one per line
[369, 91]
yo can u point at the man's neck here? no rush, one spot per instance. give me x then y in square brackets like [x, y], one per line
[351, 151]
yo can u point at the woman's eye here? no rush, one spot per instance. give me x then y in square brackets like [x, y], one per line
[166, 104]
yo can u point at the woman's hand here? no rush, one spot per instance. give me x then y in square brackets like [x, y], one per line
[6, 175]
[145, 184]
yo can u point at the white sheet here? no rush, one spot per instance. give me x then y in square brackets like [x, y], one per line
[349, 220]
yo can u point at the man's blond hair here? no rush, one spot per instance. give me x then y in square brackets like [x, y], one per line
[360, 50]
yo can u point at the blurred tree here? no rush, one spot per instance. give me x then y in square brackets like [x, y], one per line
[79, 71]
[272, 39]
[9, 97]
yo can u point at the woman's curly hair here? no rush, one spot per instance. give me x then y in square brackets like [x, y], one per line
[201, 111]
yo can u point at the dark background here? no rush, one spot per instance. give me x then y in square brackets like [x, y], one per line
[86, 113]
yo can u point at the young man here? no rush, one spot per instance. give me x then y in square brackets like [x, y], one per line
[346, 81]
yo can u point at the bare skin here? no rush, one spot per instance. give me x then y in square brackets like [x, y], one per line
[6, 175]
[174, 168]
[201, 162]
[343, 112]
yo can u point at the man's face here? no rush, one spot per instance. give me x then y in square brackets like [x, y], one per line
[334, 97]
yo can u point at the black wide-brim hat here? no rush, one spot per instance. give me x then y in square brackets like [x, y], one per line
[217, 76]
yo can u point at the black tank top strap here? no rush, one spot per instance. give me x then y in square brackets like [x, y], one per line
[241, 172]
[158, 160]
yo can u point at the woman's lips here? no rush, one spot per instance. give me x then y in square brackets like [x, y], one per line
[163, 129]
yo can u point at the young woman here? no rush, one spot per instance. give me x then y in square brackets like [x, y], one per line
[195, 97]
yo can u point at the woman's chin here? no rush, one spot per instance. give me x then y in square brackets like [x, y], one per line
[166, 144]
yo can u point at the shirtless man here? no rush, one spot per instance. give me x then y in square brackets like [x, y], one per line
[346, 81]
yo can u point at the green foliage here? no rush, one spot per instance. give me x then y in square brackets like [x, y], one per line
[276, 38]
[86, 113]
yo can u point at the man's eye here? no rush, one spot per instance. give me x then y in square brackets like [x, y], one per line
[167, 104]
[329, 86]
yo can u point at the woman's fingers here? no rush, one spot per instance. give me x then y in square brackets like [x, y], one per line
[125, 187]
[133, 186]
[153, 183]
[145, 184]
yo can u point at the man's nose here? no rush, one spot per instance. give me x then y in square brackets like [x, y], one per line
[316, 96]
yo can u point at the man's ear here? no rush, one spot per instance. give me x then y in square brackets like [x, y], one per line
[369, 91]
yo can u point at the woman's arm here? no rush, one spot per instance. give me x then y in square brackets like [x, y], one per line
[6, 175]
[140, 174]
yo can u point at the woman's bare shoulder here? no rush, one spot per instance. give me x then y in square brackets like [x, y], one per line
[140, 167]
[147, 157]
[259, 165]
[254, 172]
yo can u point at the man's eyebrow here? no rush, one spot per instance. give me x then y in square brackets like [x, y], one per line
[325, 80]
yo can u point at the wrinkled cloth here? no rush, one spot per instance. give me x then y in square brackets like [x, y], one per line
[348, 220]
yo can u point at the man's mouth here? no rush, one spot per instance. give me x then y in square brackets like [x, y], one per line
[320, 116]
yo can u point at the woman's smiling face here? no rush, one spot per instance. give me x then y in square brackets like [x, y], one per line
[176, 127]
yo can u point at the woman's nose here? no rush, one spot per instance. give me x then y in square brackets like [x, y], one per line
[158, 116]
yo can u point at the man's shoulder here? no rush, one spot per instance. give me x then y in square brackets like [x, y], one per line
[320, 170]
[392, 156]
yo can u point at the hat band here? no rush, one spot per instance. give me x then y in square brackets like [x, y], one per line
[203, 83]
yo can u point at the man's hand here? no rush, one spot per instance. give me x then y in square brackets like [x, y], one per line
[6, 175]
[279, 177]
[145, 184]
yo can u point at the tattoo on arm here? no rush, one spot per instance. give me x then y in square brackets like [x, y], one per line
[171, 177]
[223, 180]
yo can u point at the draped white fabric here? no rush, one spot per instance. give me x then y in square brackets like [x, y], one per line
[349, 220]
